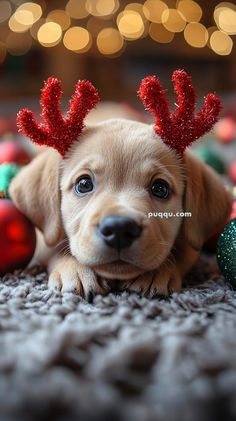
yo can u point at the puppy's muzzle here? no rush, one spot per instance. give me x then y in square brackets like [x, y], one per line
[118, 232]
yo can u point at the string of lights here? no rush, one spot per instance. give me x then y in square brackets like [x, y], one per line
[108, 26]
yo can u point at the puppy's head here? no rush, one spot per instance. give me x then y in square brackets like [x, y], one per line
[102, 192]
[112, 179]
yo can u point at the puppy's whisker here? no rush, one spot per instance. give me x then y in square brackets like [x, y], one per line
[62, 242]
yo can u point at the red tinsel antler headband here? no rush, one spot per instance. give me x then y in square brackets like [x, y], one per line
[181, 128]
[56, 131]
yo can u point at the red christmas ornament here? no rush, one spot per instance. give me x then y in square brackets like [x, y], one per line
[232, 171]
[17, 240]
[226, 130]
[12, 151]
[181, 128]
[56, 131]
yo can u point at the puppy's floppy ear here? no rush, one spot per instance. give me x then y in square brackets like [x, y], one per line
[35, 191]
[207, 200]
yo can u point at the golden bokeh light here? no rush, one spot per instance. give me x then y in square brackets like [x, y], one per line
[196, 35]
[34, 29]
[76, 9]
[225, 8]
[59, 16]
[221, 43]
[130, 24]
[5, 11]
[109, 41]
[226, 4]
[102, 8]
[3, 52]
[160, 34]
[190, 10]
[16, 26]
[227, 21]
[24, 17]
[137, 7]
[173, 20]
[153, 10]
[77, 39]
[49, 34]
[34, 8]
[18, 44]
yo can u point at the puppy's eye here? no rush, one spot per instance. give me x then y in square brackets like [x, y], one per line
[83, 185]
[160, 188]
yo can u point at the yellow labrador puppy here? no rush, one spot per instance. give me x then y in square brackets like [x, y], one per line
[101, 207]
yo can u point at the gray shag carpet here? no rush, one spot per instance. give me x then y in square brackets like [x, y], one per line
[122, 357]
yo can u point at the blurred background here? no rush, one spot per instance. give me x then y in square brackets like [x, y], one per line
[114, 43]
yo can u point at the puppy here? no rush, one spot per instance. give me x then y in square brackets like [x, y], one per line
[92, 208]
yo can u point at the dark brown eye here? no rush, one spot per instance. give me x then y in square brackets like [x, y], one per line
[83, 185]
[160, 188]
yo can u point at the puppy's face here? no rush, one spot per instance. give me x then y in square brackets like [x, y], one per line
[116, 174]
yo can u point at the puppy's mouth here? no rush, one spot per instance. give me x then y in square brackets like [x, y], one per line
[117, 269]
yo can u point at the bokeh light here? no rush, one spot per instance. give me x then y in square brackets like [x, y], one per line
[109, 41]
[24, 17]
[196, 35]
[102, 8]
[5, 10]
[160, 34]
[34, 8]
[61, 17]
[16, 26]
[153, 10]
[76, 9]
[221, 43]
[130, 24]
[137, 7]
[173, 20]
[190, 10]
[18, 44]
[224, 15]
[77, 39]
[35, 28]
[49, 34]
[227, 21]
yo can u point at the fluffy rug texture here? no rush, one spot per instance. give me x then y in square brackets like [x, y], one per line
[122, 357]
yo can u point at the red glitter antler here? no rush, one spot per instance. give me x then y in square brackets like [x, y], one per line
[181, 128]
[56, 131]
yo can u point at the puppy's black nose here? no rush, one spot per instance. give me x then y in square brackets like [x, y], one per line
[118, 231]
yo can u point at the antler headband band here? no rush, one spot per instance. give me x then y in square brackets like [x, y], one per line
[178, 130]
[56, 131]
[181, 128]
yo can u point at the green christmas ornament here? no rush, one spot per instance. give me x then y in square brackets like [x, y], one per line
[7, 172]
[210, 158]
[226, 252]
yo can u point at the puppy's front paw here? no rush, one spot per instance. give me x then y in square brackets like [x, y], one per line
[160, 283]
[166, 281]
[67, 275]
